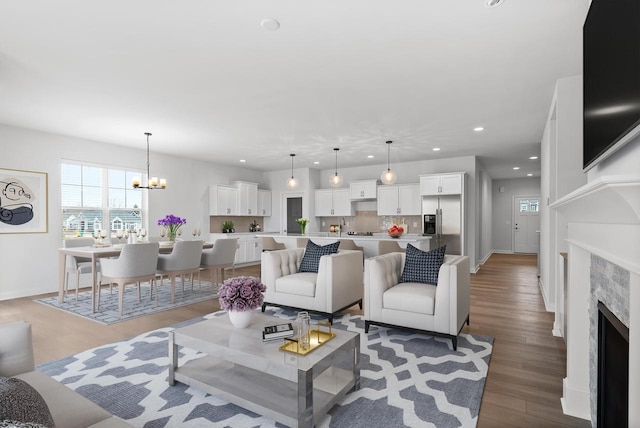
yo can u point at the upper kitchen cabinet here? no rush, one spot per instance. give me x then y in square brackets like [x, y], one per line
[264, 203]
[333, 203]
[441, 184]
[365, 189]
[223, 200]
[247, 198]
[402, 199]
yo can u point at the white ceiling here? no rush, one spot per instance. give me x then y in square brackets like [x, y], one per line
[210, 83]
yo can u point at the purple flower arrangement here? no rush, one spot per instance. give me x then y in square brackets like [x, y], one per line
[242, 293]
[172, 223]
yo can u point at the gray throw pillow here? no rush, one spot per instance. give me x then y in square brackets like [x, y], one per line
[20, 402]
[313, 252]
[422, 266]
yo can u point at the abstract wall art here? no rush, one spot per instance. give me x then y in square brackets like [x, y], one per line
[23, 201]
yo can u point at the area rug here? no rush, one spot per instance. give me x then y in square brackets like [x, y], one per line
[108, 312]
[407, 380]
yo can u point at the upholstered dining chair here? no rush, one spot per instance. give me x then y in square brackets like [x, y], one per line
[184, 259]
[136, 263]
[270, 244]
[386, 247]
[218, 258]
[77, 265]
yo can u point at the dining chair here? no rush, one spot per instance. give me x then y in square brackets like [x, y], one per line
[385, 247]
[302, 242]
[270, 244]
[184, 259]
[77, 265]
[136, 263]
[220, 257]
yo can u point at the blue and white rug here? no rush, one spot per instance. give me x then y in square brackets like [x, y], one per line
[108, 312]
[407, 380]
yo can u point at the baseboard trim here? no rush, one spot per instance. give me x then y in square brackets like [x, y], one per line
[556, 330]
[549, 307]
[574, 402]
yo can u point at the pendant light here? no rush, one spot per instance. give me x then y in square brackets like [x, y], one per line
[336, 179]
[388, 176]
[292, 183]
[153, 183]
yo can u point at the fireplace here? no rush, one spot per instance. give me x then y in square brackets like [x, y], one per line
[613, 370]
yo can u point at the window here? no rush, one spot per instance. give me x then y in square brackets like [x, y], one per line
[97, 197]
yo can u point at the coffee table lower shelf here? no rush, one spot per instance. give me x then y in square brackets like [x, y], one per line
[263, 393]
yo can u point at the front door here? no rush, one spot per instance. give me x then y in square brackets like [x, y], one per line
[526, 224]
[294, 212]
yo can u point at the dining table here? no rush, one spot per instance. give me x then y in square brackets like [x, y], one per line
[94, 253]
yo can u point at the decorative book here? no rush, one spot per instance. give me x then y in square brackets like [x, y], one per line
[277, 331]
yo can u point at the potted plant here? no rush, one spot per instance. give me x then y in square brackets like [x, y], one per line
[241, 296]
[228, 226]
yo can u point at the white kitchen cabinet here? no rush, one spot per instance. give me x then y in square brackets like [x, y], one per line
[401, 199]
[264, 203]
[248, 248]
[333, 203]
[223, 200]
[365, 189]
[441, 184]
[247, 198]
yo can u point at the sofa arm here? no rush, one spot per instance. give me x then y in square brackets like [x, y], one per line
[275, 264]
[452, 295]
[340, 277]
[16, 349]
[380, 273]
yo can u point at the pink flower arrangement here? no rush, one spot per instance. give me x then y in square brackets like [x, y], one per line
[242, 293]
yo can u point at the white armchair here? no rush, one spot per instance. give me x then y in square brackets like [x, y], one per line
[439, 310]
[336, 286]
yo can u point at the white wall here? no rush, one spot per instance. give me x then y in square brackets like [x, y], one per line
[485, 212]
[503, 209]
[29, 262]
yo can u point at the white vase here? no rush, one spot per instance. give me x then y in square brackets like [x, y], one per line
[241, 319]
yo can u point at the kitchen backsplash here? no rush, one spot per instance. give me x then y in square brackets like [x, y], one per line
[241, 223]
[370, 221]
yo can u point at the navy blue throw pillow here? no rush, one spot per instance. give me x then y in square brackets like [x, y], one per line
[422, 266]
[311, 259]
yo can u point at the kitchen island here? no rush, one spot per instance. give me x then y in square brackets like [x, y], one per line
[369, 243]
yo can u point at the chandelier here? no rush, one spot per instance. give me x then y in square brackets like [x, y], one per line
[153, 182]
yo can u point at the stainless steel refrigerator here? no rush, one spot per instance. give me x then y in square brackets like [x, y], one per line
[442, 220]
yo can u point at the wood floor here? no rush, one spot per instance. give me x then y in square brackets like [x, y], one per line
[524, 384]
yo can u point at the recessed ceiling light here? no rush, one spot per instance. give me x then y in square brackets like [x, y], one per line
[436, 149]
[370, 156]
[270, 24]
[533, 157]
[492, 3]
[243, 160]
[316, 163]
[478, 129]
[516, 168]
[529, 175]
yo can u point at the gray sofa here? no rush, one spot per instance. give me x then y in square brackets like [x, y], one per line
[68, 408]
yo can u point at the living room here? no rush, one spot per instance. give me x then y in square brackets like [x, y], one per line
[113, 135]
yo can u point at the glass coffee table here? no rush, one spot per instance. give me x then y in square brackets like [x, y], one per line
[242, 369]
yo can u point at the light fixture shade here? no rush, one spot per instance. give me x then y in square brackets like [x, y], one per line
[336, 179]
[292, 183]
[388, 177]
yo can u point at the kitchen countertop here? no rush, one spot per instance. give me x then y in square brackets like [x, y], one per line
[368, 243]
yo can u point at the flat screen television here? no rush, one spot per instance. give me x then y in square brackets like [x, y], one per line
[611, 55]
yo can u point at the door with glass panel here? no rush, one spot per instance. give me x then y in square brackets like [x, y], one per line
[526, 224]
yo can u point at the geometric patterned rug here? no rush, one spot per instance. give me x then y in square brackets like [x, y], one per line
[109, 313]
[407, 380]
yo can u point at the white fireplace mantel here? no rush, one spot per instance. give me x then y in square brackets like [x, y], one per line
[607, 200]
[603, 219]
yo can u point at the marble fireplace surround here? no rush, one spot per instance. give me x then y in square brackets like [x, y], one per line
[604, 263]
